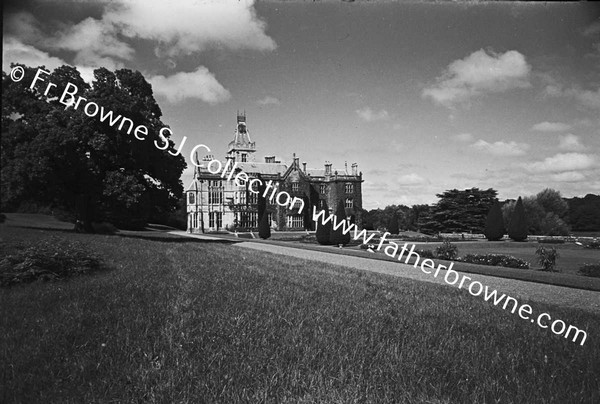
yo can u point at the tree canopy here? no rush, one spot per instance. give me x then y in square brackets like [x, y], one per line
[461, 211]
[58, 156]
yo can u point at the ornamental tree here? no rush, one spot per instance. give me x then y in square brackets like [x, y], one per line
[264, 230]
[337, 236]
[517, 228]
[323, 230]
[393, 227]
[494, 224]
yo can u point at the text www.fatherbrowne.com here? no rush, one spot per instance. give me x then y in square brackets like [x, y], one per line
[452, 277]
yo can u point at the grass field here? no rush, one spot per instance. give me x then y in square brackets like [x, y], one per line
[193, 322]
[571, 257]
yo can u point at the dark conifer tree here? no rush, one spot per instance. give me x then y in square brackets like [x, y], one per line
[323, 230]
[393, 227]
[494, 225]
[517, 227]
[337, 236]
[264, 230]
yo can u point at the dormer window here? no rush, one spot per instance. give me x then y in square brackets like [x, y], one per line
[295, 187]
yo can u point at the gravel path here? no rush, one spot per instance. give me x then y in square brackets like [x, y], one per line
[520, 290]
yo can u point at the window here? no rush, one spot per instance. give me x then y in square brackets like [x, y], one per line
[244, 157]
[295, 187]
[322, 188]
[349, 188]
[295, 221]
[242, 195]
[252, 198]
[191, 198]
[215, 192]
[349, 203]
[215, 219]
[248, 219]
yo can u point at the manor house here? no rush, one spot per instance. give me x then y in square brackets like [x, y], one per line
[215, 202]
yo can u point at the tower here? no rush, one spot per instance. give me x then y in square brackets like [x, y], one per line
[241, 148]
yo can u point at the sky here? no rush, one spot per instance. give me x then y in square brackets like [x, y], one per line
[424, 96]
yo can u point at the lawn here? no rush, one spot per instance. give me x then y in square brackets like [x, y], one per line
[571, 257]
[172, 321]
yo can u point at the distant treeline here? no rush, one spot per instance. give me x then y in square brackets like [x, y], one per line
[466, 211]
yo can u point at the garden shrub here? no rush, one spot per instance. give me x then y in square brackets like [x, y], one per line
[592, 270]
[547, 257]
[496, 260]
[47, 260]
[594, 244]
[446, 251]
[426, 254]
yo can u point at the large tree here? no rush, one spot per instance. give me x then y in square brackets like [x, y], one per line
[56, 155]
[461, 210]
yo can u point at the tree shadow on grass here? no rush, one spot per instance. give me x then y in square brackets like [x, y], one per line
[177, 239]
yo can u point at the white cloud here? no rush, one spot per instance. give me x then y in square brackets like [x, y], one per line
[463, 137]
[410, 179]
[568, 176]
[585, 97]
[200, 84]
[563, 162]
[269, 100]
[480, 72]
[550, 126]
[192, 26]
[16, 52]
[501, 148]
[182, 30]
[368, 115]
[570, 142]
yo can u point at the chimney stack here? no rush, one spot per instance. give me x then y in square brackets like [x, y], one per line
[304, 167]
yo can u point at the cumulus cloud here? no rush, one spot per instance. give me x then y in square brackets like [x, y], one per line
[501, 148]
[368, 115]
[410, 179]
[188, 28]
[550, 126]
[568, 176]
[570, 142]
[192, 26]
[269, 100]
[479, 73]
[463, 137]
[200, 84]
[563, 162]
[14, 51]
[589, 98]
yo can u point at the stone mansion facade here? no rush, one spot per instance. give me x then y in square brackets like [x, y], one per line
[215, 203]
